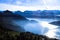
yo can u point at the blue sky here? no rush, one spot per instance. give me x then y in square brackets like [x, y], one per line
[29, 5]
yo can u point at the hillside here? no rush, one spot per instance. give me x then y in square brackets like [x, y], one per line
[6, 34]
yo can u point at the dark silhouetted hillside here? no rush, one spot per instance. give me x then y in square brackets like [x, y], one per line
[6, 34]
[6, 20]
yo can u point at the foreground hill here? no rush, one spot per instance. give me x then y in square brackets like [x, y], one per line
[6, 34]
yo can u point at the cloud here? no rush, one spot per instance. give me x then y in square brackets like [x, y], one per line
[15, 7]
[32, 2]
[45, 3]
[51, 2]
[51, 33]
[23, 8]
[18, 3]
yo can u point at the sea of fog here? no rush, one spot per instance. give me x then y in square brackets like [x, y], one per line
[41, 26]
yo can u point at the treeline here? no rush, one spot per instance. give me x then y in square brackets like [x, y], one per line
[6, 34]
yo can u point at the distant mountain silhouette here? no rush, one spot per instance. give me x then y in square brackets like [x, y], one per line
[40, 14]
[8, 13]
[6, 18]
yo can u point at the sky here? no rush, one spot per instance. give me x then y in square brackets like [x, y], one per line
[29, 5]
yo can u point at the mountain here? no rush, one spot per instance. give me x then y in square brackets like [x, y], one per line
[8, 13]
[6, 20]
[40, 14]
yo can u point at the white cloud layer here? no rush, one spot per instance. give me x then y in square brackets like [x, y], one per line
[23, 8]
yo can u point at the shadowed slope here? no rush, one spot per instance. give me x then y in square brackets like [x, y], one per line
[6, 18]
